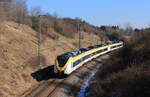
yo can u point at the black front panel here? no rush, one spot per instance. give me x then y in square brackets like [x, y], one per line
[62, 60]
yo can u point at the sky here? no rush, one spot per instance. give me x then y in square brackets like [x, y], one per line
[100, 12]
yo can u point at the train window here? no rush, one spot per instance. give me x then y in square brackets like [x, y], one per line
[76, 62]
[113, 47]
[120, 45]
[86, 57]
[105, 49]
[84, 49]
[91, 47]
[117, 45]
[62, 60]
[99, 45]
[99, 51]
[94, 53]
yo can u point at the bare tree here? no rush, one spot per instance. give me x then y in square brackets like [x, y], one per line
[35, 11]
[14, 10]
[5, 9]
[56, 15]
[19, 11]
[128, 28]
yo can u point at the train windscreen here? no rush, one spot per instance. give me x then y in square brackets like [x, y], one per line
[62, 60]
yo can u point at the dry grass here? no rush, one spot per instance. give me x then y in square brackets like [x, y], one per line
[18, 55]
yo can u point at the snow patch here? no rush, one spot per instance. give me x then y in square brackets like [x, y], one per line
[84, 88]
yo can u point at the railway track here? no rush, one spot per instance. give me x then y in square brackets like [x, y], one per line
[50, 88]
[36, 89]
[55, 88]
[46, 88]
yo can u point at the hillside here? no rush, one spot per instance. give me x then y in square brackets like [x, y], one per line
[127, 72]
[18, 54]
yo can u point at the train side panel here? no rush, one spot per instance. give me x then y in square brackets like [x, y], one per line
[68, 70]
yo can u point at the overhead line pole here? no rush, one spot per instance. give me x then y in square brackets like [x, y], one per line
[39, 42]
[79, 32]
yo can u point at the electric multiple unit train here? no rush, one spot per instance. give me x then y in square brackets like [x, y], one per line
[68, 62]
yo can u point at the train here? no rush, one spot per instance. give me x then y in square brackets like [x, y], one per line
[68, 62]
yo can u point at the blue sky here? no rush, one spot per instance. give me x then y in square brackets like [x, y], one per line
[100, 12]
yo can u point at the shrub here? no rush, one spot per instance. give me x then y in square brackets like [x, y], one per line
[127, 72]
[132, 82]
[63, 28]
[53, 35]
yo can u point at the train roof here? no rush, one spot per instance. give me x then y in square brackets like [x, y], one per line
[75, 53]
[70, 54]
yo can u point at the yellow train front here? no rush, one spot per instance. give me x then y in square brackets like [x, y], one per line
[68, 62]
